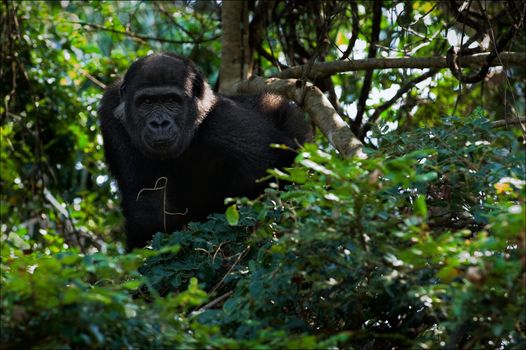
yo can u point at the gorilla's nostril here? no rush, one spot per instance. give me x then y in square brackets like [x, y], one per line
[163, 124]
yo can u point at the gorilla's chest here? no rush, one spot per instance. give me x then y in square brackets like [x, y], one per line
[189, 191]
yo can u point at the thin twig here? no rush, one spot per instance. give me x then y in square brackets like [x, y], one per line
[94, 80]
[241, 255]
[142, 36]
[355, 31]
[217, 251]
[499, 59]
[215, 301]
[517, 120]
[408, 86]
[367, 80]
[172, 20]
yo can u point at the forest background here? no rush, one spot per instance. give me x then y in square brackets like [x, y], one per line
[404, 222]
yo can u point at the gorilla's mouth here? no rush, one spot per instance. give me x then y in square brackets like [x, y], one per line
[167, 145]
[161, 147]
[162, 143]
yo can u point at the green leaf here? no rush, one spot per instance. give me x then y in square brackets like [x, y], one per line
[316, 167]
[420, 206]
[232, 215]
[447, 273]
[17, 241]
[132, 285]
[432, 175]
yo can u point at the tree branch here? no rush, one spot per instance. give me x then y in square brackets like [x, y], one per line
[315, 103]
[94, 80]
[408, 86]
[214, 302]
[368, 79]
[355, 30]
[172, 20]
[324, 69]
[141, 36]
[515, 120]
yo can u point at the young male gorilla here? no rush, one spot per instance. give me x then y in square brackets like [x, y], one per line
[178, 150]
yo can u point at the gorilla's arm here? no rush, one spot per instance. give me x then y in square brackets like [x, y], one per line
[240, 140]
[117, 144]
[284, 115]
[132, 171]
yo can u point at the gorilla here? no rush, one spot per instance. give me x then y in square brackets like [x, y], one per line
[177, 149]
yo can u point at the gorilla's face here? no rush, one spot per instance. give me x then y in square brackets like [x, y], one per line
[160, 99]
[163, 122]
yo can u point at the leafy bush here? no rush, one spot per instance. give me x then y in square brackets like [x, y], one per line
[419, 247]
[74, 301]
[361, 248]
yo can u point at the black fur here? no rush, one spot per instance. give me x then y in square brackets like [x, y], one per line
[218, 146]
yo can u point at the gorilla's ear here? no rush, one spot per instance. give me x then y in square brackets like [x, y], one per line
[197, 84]
[122, 90]
[119, 112]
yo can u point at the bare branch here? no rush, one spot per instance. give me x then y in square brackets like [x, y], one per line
[239, 257]
[141, 36]
[315, 103]
[94, 80]
[172, 20]
[368, 79]
[355, 30]
[214, 302]
[515, 120]
[408, 86]
[324, 69]
[463, 15]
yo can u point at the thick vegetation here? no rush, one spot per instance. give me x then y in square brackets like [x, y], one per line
[421, 245]
[355, 253]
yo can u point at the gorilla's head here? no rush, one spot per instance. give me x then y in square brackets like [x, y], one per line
[163, 100]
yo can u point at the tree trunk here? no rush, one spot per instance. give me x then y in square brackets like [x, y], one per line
[236, 55]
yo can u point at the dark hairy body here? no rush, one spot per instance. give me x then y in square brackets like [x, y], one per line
[177, 149]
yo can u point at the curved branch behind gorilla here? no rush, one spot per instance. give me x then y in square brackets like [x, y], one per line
[164, 121]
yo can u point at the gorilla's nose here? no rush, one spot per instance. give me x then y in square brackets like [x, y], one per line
[160, 129]
[159, 125]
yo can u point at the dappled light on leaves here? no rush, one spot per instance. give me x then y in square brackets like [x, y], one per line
[419, 245]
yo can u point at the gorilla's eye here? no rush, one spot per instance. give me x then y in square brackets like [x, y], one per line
[172, 99]
[147, 101]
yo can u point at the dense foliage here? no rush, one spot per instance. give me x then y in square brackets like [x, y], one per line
[422, 245]
[355, 253]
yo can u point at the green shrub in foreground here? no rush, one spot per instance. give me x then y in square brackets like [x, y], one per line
[70, 300]
[422, 247]
[419, 248]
